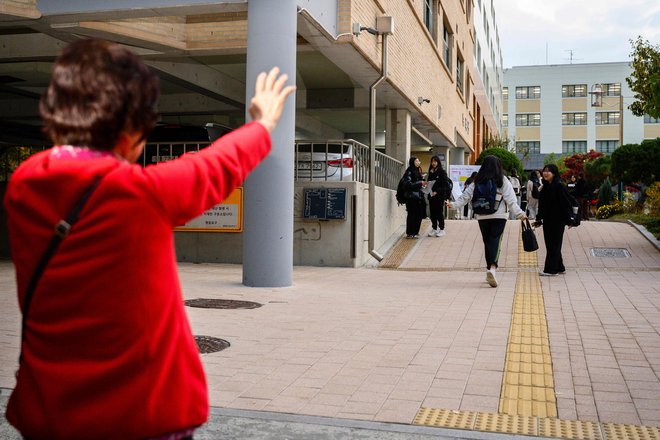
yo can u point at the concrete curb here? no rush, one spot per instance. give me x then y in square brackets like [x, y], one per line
[650, 237]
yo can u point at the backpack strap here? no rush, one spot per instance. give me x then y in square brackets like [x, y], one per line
[62, 229]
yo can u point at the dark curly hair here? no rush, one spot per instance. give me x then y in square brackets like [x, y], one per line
[98, 90]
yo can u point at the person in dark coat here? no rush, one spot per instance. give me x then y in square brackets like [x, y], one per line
[413, 182]
[438, 176]
[554, 215]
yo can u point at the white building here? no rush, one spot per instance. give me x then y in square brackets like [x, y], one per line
[548, 108]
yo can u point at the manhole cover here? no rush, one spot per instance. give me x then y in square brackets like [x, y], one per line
[208, 344]
[207, 303]
[610, 252]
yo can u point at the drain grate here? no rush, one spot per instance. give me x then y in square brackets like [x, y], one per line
[208, 303]
[209, 344]
[610, 252]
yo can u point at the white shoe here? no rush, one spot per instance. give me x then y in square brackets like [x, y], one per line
[545, 274]
[433, 233]
[440, 233]
[490, 278]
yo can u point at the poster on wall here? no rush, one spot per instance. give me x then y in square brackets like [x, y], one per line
[459, 174]
[225, 217]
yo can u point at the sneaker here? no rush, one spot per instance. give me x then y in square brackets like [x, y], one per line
[415, 236]
[546, 274]
[441, 233]
[409, 236]
[433, 233]
[490, 278]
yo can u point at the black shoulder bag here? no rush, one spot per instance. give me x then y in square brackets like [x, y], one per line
[62, 229]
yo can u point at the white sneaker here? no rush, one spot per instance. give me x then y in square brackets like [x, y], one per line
[490, 278]
[440, 233]
[433, 233]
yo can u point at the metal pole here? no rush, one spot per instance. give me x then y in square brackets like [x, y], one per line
[620, 186]
[372, 153]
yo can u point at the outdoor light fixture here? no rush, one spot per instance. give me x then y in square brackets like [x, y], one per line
[357, 28]
[421, 100]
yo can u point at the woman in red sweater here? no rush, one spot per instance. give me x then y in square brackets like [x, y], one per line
[107, 349]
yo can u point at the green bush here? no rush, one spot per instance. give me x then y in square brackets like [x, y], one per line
[652, 203]
[509, 160]
[607, 211]
[605, 195]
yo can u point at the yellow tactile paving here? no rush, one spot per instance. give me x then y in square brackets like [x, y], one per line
[527, 382]
[527, 400]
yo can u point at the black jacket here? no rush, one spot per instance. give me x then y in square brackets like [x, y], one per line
[440, 184]
[412, 183]
[555, 205]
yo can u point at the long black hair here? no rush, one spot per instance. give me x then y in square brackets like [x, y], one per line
[437, 159]
[491, 168]
[413, 168]
[534, 177]
[554, 170]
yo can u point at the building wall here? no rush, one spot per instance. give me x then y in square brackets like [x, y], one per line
[551, 133]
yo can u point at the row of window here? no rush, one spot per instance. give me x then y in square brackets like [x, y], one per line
[567, 147]
[578, 118]
[567, 91]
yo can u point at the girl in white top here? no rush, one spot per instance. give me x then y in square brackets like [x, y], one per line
[492, 225]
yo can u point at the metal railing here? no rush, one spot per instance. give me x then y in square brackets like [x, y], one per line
[344, 160]
[155, 152]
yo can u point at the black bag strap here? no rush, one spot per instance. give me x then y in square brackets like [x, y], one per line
[62, 229]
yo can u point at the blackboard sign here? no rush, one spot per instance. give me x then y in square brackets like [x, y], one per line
[325, 203]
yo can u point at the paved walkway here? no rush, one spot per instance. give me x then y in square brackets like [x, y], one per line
[378, 345]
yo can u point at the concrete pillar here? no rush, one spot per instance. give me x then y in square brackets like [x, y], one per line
[398, 126]
[268, 233]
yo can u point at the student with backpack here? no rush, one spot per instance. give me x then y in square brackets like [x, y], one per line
[440, 192]
[412, 183]
[533, 186]
[492, 195]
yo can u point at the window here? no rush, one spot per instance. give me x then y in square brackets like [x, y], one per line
[527, 119]
[447, 43]
[569, 147]
[607, 118]
[428, 15]
[574, 118]
[459, 74]
[606, 146]
[505, 93]
[505, 120]
[613, 89]
[529, 92]
[649, 120]
[528, 147]
[574, 91]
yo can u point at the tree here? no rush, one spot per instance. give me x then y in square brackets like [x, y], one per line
[497, 141]
[575, 164]
[634, 163]
[598, 169]
[509, 160]
[605, 195]
[645, 78]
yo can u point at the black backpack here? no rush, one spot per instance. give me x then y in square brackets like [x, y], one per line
[484, 198]
[401, 192]
[447, 188]
[535, 190]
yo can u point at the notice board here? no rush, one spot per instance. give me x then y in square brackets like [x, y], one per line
[324, 203]
[225, 217]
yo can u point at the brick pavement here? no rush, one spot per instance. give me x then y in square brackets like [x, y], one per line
[377, 345]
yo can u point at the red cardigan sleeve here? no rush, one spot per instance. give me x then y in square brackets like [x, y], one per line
[195, 182]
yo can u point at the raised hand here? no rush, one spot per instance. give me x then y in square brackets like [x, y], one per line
[269, 97]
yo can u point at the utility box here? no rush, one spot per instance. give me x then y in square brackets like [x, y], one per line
[385, 25]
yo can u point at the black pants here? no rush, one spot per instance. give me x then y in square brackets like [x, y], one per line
[553, 236]
[416, 212]
[437, 214]
[491, 233]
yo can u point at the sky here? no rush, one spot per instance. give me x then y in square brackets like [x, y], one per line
[596, 31]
